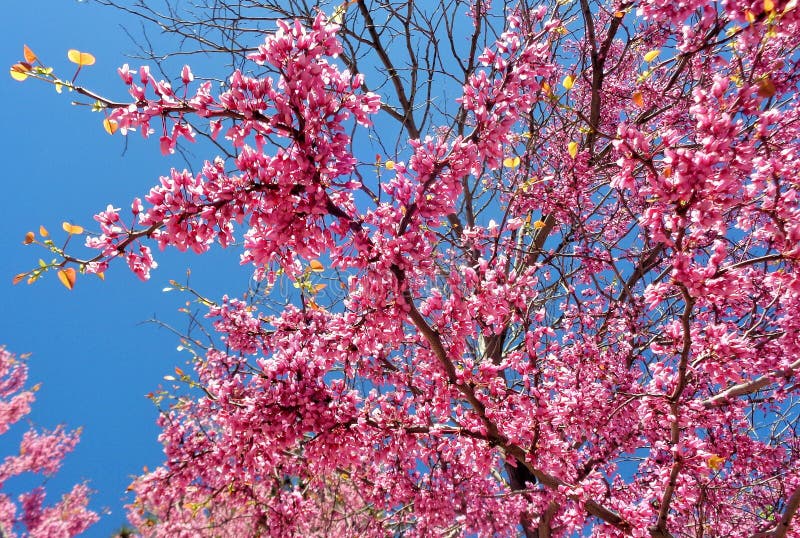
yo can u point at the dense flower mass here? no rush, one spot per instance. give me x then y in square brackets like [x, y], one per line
[41, 453]
[569, 307]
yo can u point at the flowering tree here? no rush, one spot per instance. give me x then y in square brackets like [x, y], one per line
[566, 305]
[39, 452]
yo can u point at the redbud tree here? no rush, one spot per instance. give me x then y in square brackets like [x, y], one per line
[541, 261]
[40, 452]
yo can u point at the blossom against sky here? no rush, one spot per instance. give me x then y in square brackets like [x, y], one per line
[95, 358]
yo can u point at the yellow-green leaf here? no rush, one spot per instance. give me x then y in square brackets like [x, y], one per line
[389, 165]
[19, 71]
[569, 82]
[538, 225]
[644, 76]
[511, 162]
[572, 148]
[67, 277]
[80, 58]
[652, 55]
[769, 6]
[338, 14]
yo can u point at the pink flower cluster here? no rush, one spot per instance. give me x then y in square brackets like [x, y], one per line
[308, 105]
[39, 453]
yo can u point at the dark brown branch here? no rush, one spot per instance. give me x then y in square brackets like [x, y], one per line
[394, 76]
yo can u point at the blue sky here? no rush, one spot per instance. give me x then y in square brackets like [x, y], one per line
[91, 351]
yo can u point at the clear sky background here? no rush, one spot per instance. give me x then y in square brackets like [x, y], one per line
[93, 355]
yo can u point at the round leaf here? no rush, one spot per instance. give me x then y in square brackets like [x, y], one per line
[67, 277]
[110, 126]
[572, 148]
[80, 58]
[716, 462]
[19, 71]
[72, 229]
[652, 55]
